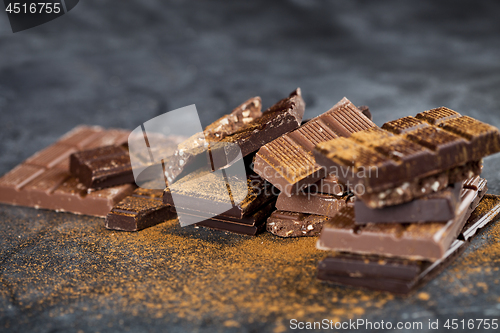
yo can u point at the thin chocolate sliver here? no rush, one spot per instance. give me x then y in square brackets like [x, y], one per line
[403, 276]
[410, 157]
[436, 207]
[288, 162]
[44, 180]
[413, 240]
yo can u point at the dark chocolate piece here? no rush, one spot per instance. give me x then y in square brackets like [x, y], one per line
[313, 203]
[291, 224]
[207, 193]
[44, 181]
[247, 225]
[288, 163]
[330, 185]
[102, 167]
[418, 241]
[223, 143]
[391, 163]
[143, 209]
[436, 207]
[402, 275]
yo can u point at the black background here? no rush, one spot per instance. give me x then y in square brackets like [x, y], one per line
[120, 63]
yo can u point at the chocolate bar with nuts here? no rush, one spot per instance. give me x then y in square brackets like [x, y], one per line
[410, 157]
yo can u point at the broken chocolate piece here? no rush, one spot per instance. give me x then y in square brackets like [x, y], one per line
[291, 224]
[418, 241]
[288, 163]
[410, 157]
[313, 203]
[44, 181]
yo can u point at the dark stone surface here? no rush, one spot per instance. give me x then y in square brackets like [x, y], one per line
[118, 64]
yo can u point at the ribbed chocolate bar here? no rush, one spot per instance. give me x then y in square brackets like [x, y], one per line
[288, 162]
[435, 207]
[402, 275]
[44, 181]
[314, 203]
[291, 224]
[143, 209]
[437, 147]
[419, 241]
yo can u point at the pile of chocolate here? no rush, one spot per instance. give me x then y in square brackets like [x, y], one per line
[391, 205]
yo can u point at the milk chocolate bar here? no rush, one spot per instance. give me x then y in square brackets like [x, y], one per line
[314, 203]
[288, 162]
[427, 241]
[403, 276]
[292, 224]
[435, 207]
[44, 180]
[143, 209]
[410, 157]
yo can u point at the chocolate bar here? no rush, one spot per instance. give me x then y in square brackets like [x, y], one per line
[206, 192]
[102, 167]
[44, 181]
[292, 224]
[247, 225]
[314, 203]
[218, 149]
[366, 111]
[330, 185]
[143, 209]
[435, 207]
[288, 163]
[410, 157]
[417, 241]
[403, 276]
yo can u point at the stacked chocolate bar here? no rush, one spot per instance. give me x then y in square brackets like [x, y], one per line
[309, 194]
[416, 182]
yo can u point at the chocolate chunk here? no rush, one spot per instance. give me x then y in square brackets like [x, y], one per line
[435, 207]
[220, 144]
[418, 241]
[247, 225]
[366, 111]
[291, 224]
[143, 209]
[207, 192]
[389, 165]
[403, 276]
[313, 203]
[330, 185]
[102, 167]
[44, 181]
[288, 163]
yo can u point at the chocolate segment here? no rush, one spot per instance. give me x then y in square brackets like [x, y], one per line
[402, 275]
[143, 209]
[418, 241]
[288, 162]
[102, 167]
[390, 163]
[314, 203]
[44, 181]
[435, 207]
[291, 224]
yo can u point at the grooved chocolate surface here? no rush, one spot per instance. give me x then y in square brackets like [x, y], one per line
[404, 275]
[44, 180]
[424, 240]
[409, 149]
[288, 162]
